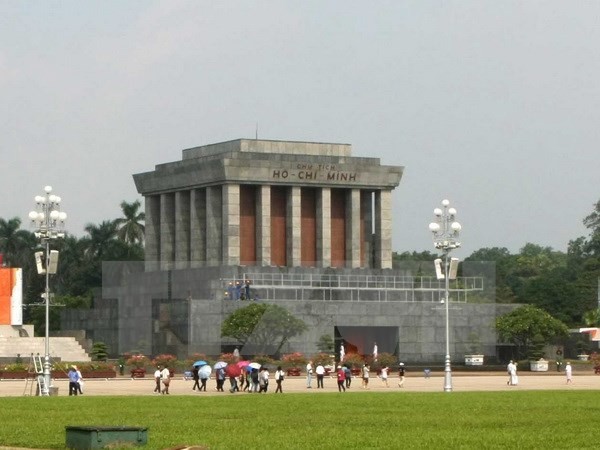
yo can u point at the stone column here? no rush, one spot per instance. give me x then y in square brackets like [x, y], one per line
[367, 229]
[324, 227]
[198, 228]
[231, 224]
[353, 223]
[167, 231]
[263, 237]
[182, 229]
[214, 226]
[293, 226]
[152, 232]
[383, 229]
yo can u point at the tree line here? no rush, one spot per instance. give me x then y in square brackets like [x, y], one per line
[563, 284]
[80, 261]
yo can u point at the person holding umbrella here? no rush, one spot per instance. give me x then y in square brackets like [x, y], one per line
[204, 373]
[233, 371]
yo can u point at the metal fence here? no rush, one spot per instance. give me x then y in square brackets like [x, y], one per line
[380, 288]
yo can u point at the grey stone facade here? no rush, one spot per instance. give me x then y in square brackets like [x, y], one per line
[177, 300]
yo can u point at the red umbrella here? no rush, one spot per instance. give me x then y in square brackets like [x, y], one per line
[241, 364]
[232, 370]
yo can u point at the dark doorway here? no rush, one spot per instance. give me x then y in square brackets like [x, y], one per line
[361, 340]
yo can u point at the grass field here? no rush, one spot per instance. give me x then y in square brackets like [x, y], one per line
[541, 419]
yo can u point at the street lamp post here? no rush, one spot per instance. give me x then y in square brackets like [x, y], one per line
[446, 231]
[49, 222]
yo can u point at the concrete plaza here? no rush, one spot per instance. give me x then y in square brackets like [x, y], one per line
[490, 381]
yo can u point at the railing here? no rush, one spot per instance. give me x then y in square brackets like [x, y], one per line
[378, 288]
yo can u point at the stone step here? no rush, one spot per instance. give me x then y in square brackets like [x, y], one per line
[63, 348]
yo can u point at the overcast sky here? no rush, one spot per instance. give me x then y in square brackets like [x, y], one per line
[493, 105]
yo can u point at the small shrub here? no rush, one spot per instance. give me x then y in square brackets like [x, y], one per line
[353, 360]
[15, 367]
[264, 360]
[138, 361]
[165, 360]
[296, 359]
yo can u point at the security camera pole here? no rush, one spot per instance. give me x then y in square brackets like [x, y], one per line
[445, 231]
[49, 222]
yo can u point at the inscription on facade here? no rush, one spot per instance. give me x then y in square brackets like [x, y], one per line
[314, 172]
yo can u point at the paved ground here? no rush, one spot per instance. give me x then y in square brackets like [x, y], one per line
[461, 382]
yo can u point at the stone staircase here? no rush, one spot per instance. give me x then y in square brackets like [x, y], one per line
[61, 348]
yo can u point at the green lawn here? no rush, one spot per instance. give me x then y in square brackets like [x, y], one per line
[533, 419]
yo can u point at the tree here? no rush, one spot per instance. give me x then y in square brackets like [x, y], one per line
[521, 326]
[263, 326]
[326, 344]
[96, 244]
[14, 242]
[592, 222]
[130, 230]
[99, 351]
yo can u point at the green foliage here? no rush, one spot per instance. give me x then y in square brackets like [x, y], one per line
[99, 351]
[353, 360]
[325, 344]
[265, 326]
[384, 360]
[322, 358]
[14, 367]
[520, 326]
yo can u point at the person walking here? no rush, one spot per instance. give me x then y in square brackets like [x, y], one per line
[279, 379]
[320, 371]
[384, 376]
[220, 374]
[569, 373]
[157, 375]
[79, 381]
[401, 372]
[309, 372]
[365, 376]
[196, 377]
[263, 379]
[348, 374]
[513, 378]
[73, 381]
[254, 377]
[341, 379]
[165, 377]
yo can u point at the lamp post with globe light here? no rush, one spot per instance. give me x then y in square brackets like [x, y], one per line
[446, 231]
[49, 221]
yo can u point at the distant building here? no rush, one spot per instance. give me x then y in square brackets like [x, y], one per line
[301, 224]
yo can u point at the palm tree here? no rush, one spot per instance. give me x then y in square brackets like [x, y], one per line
[130, 229]
[100, 236]
[14, 243]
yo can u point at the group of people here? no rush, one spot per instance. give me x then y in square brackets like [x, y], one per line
[162, 376]
[251, 380]
[75, 381]
[344, 376]
[239, 291]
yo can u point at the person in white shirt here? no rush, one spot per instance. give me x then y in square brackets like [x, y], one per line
[309, 371]
[569, 373]
[165, 377]
[320, 371]
[263, 379]
[365, 376]
[384, 375]
[278, 379]
[157, 374]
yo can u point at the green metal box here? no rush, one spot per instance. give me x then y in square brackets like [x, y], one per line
[100, 437]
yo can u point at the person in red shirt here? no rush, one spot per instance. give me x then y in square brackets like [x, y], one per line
[341, 379]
